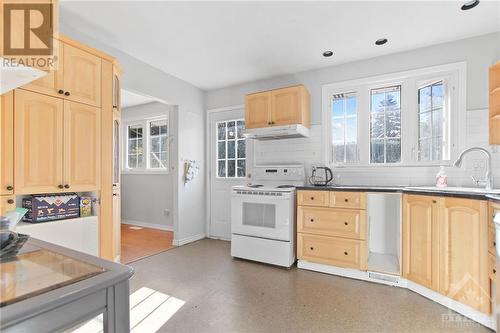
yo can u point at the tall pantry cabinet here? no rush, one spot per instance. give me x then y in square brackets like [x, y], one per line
[57, 136]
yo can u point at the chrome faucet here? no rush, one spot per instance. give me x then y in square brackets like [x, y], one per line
[488, 182]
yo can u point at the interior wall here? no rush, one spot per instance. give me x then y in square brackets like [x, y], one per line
[479, 53]
[140, 77]
[146, 197]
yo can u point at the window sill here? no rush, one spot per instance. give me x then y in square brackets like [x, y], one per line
[145, 172]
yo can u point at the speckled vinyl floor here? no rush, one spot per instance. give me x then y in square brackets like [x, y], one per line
[211, 292]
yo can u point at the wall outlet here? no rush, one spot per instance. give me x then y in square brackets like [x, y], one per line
[166, 212]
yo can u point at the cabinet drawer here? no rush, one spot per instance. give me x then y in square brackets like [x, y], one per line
[348, 200]
[332, 251]
[492, 263]
[491, 241]
[313, 198]
[332, 222]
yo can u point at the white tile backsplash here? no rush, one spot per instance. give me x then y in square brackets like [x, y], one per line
[308, 152]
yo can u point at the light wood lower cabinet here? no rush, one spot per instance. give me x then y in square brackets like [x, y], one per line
[332, 222]
[464, 252]
[38, 150]
[57, 146]
[336, 251]
[7, 143]
[343, 199]
[7, 203]
[313, 198]
[82, 147]
[420, 240]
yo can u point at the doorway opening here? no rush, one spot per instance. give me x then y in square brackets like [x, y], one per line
[148, 176]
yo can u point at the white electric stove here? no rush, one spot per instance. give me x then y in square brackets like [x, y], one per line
[263, 215]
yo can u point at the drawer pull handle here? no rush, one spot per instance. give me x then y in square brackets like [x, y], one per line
[312, 248]
[60, 91]
[10, 201]
[66, 186]
[346, 223]
[494, 243]
[312, 198]
[434, 201]
[67, 93]
[10, 188]
[312, 220]
[346, 200]
[60, 186]
[345, 253]
[494, 271]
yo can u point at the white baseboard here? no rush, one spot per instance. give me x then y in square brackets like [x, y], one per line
[187, 240]
[482, 318]
[149, 225]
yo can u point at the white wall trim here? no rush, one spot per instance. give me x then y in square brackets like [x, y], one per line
[227, 108]
[149, 225]
[481, 318]
[187, 240]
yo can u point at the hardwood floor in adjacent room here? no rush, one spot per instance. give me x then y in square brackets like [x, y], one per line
[139, 242]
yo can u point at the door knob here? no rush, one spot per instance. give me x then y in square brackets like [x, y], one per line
[66, 93]
[60, 91]
[66, 186]
[10, 188]
[10, 201]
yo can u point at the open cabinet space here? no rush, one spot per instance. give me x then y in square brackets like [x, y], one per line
[384, 232]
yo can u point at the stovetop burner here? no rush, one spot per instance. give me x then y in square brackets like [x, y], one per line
[255, 185]
[285, 186]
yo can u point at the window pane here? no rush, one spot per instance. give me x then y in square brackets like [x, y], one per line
[132, 146]
[424, 149]
[377, 151]
[241, 149]
[437, 148]
[241, 168]
[163, 158]
[240, 127]
[132, 161]
[385, 125]
[424, 99]
[231, 168]
[155, 144]
[351, 130]
[338, 131]
[221, 170]
[221, 131]
[424, 125]
[221, 148]
[344, 127]
[164, 143]
[437, 122]
[231, 149]
[154, 160]
[231, 130]
[338, 107]
[392, 124]
[338, 153]
[153, 129]
[351, 108]
[393, 151]
[351, 152]
[140, 161]
[437, 95]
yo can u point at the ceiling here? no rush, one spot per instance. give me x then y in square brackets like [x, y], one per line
[129, 99]
[217, 44]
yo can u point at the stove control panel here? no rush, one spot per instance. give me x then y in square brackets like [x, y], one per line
[279, 172]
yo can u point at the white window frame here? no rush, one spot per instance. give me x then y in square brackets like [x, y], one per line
[236, 152]
[146, 146]
[455, 76]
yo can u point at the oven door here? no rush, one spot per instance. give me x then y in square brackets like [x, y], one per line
[262, 214]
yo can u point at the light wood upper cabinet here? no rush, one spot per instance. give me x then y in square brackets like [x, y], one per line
[494, 104]
[278, 107]
[52, 83]
[420, 240]
[38, 151]
[7, 143]
[257, 110]
[82, 76]
[82, 147]
[464, 252]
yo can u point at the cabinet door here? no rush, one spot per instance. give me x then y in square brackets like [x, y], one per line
[7, 143]
[464, 252]
[38, 120]
[117, 106]
[7, 203]
[82, 147]
[420, 240]
[52, 83]
[286, 106]
[82, 76]
[116, 223]
[257, 110]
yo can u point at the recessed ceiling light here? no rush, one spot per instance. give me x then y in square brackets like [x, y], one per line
[470, 4]
[381, 41]
[327, 54]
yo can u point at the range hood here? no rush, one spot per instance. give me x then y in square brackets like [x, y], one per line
[277, 132]
[12, 77]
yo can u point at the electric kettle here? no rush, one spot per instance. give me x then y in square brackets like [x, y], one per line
[321, 176]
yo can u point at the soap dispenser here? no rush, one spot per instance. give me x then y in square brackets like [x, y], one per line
[441, 178]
